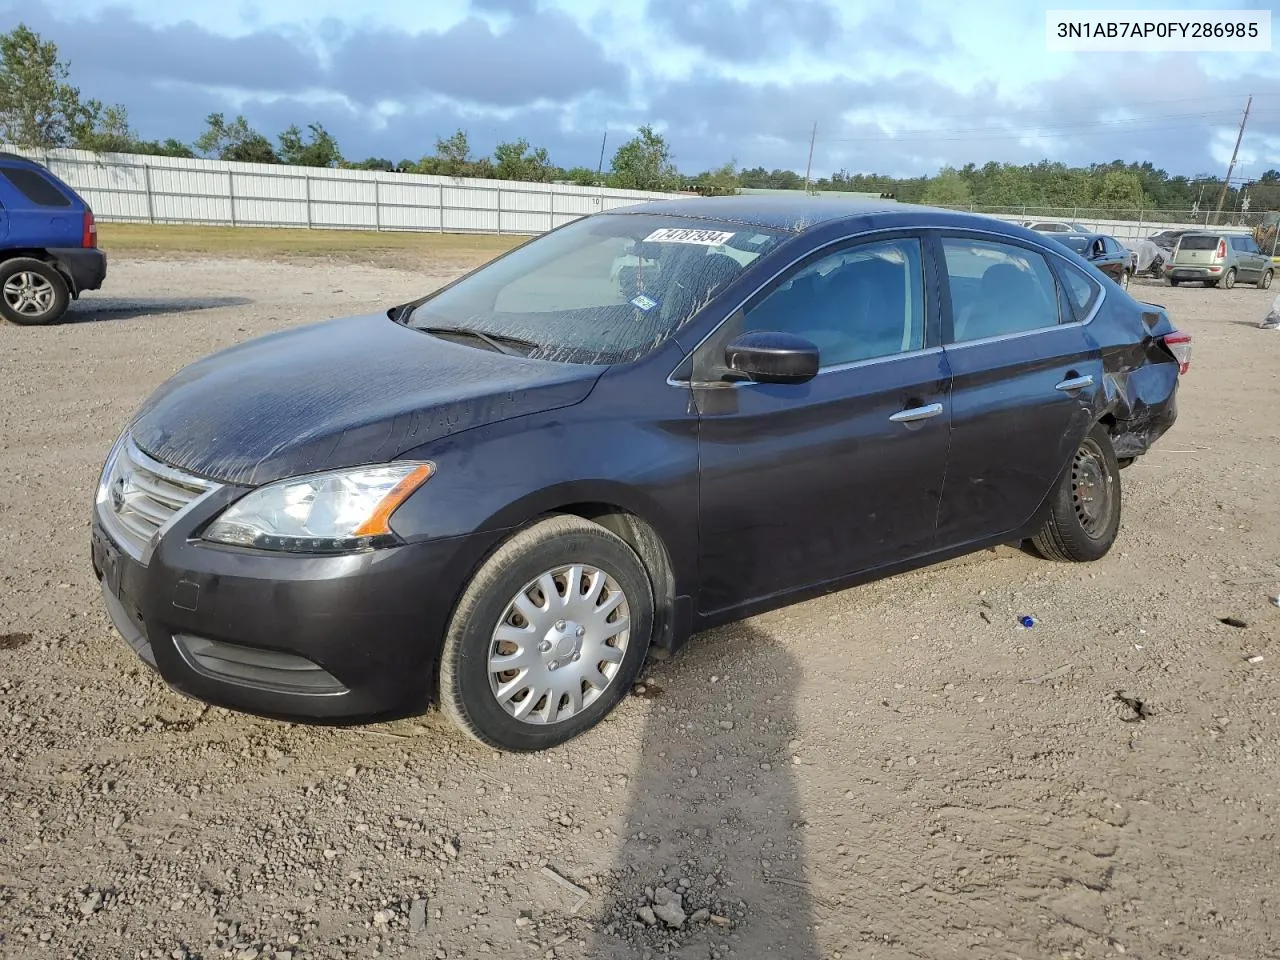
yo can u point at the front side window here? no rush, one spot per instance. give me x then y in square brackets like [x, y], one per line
[859, 303]
[998, 289]
[604, 289]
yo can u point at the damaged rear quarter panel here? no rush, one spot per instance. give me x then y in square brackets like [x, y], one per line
[1140, 375]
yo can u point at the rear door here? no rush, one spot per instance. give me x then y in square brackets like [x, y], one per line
[1024, 376]
[1251, 259]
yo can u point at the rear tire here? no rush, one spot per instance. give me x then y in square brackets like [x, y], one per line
[1264, 281]
[1229, 280]
[569, 657]
[1174, 283]
[32, 293]
[1084, 518]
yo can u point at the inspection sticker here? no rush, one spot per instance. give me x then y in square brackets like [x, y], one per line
[706, 238]
[641, 302]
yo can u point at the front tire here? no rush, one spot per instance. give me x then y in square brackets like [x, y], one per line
[1084, 519]
[548, 636]
[32, 293]
[1124, 280]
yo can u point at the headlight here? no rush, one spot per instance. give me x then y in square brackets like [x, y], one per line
[324, 513]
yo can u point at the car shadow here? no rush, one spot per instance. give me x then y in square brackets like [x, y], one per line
[715, 816]
[97, 309]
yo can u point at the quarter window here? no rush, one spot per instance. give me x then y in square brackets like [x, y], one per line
[860, 303]
[35, 188]
[998, 289]
[1080, 291]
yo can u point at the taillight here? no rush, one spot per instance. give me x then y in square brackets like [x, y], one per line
[1222, 249]
[1179, 345]
[89, 238]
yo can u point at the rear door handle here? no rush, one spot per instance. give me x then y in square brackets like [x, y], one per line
[915, 414]
[1075, 383]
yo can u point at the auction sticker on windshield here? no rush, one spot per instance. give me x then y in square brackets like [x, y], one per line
[707, 238]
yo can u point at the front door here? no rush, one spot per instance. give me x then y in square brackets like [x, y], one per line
[1025, 374]
[800, 484]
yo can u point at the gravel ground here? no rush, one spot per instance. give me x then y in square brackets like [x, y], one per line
[896, 771]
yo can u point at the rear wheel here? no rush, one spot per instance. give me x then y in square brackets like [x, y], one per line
[1229, 280]
[1085, 515]
[32, 292]
[548, 636]
[1174, 283]
[1264, 281]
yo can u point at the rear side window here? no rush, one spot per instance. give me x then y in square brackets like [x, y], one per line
[998, 289]
[35, 187]
[1200, 243]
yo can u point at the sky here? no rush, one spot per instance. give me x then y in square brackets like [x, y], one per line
[903, 88]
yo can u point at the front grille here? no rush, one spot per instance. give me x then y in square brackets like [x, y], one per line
[139, 497]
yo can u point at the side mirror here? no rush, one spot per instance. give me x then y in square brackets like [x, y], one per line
[768, 357]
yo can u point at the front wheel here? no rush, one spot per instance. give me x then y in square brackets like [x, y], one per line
[1124, 280]
[548, 636]
[32, 292]
[1265, 280]
[1085, 513]
[1229, 280]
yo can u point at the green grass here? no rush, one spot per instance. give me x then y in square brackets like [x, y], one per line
[162, 239]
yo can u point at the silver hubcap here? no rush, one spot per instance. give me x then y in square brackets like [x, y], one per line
[1091, 489]
[1124, 281]
[559, 644]
[29, 294]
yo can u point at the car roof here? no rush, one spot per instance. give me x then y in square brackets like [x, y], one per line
[804, 212]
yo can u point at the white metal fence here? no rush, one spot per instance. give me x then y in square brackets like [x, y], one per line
[146, 189]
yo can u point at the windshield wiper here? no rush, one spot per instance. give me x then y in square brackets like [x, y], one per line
[500, 344]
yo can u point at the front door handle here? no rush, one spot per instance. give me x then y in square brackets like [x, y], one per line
[1075, 383]
[915, 414]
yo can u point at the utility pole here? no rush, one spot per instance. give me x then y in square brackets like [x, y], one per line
[809, 166]
[1226, 185]
[600, 167]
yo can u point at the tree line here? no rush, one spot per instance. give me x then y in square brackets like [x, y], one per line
[41, 109]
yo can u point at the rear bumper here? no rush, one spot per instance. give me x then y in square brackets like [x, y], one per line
[87, 267]
[1193, 273]
[1134, 437]
[342, 638]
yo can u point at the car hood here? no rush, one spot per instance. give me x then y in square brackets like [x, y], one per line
[339, 394]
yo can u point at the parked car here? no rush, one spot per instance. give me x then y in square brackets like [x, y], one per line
[1219, 259]
[1105, 253]
[1054, 226]
[48, 244]
[1164, 241]
[502, 494]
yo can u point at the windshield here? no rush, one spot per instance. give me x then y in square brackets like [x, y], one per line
[604, 289]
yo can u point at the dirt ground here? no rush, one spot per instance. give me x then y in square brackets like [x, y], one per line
[896, 771]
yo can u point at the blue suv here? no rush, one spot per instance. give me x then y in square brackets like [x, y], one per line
[48, 244]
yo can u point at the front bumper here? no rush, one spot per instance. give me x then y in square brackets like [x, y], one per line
[86, 266]
[342, 638]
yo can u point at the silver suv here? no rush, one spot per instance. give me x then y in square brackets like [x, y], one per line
[1218, 259]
